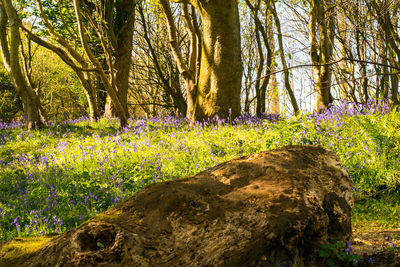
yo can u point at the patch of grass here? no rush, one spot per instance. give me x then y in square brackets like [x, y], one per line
[56, 178]
[382, 212]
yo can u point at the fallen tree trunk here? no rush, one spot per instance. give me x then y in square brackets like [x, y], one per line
[268, 209]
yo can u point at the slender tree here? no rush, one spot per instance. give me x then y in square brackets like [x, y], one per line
[188, 72]
[10, 52]
[71, 55]
[322, 27]
[161, 66]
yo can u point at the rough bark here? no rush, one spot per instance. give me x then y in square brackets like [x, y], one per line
[221, 65]
[269, 209]
[220, 74]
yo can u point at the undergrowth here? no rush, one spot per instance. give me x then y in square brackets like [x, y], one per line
[53, 179]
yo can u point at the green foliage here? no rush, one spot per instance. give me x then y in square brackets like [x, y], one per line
[338, 254]
[60, 91]
[100, 245]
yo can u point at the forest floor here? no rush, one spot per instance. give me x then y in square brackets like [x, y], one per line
[54, 179]
[374, 245]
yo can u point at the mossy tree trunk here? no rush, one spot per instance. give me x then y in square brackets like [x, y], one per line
[322, 27]
[221, 64]
[273, 84]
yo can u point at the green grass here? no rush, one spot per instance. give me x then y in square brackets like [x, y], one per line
[383, 212]
[54, 179]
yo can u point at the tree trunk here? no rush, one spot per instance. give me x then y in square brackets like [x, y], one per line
[323, 24]
[273, 89]
[109, 111]
[344, 84]
[259, 88]
[394, 78]
[191, 78]
[10, 54]
[110, 48]
[221, 64]
[171, 85]
[90, 93]
[250, 211]
[269, 42]
[288, 87]
[124, 23]
[384, 81]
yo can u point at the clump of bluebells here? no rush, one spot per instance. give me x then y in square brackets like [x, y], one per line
[54, 179]
[339, 254]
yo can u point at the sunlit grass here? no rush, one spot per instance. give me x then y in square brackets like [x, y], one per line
[17, 251]
[56, 178]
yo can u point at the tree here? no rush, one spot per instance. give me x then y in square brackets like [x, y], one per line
[221, 65]
[390, 50]
[113, 23]
[188, 72]
[273, 84]
[161, 70]
[288, 87]
[262, 83]
[271, 18]
[322, 27]
[69, 53]
[10, 52]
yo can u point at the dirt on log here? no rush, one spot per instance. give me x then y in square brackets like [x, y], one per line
[268, 209]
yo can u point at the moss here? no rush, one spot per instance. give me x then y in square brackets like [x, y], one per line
[17, 251]
[109, 216]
